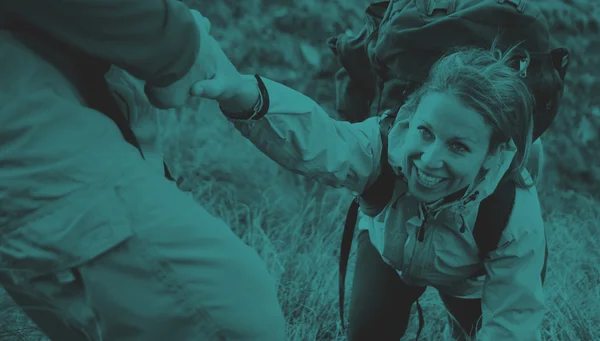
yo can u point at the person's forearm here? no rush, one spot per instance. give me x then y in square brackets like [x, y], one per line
[299, 135]
[154, 40]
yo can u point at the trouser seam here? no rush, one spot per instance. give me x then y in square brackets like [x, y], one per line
[164, 273]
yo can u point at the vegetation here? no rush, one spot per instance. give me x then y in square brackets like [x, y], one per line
[295, 224]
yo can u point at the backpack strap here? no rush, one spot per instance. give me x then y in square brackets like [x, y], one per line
[347, 236]
[379, 193]
[492, 218]
[98, 97]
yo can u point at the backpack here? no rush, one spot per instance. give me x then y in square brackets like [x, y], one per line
[392, 55]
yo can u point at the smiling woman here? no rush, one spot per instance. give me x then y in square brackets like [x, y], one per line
[464, 133]
[447, 147]
[472, 108]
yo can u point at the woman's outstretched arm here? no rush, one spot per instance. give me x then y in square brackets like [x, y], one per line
[300, 136]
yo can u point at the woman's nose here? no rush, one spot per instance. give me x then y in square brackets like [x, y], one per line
[433, 156]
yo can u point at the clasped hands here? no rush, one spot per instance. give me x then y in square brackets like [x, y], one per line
[212, 76]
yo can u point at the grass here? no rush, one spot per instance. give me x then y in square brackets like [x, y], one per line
[295, 224]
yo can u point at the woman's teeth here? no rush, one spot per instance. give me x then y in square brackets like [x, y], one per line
[428, 181]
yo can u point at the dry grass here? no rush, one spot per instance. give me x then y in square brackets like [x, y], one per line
[295, 224]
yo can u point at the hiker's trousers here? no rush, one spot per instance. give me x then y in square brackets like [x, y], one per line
[381, 302]
[97, 245]
[181, 275]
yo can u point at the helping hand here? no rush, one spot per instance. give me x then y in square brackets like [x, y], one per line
[177, 95]
[235, 92]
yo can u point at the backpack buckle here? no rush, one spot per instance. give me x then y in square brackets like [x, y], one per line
[523, 65]
[447, 6]
[520, 4]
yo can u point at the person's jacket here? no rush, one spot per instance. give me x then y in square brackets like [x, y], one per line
[50, 177]
[299, 135]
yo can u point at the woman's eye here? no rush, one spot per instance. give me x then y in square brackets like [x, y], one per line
[425, 132]
[459, 147]
[456, 147]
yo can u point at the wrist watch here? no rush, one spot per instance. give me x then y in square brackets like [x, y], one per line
[259, 109]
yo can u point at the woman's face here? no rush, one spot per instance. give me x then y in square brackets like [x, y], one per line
[445, 148]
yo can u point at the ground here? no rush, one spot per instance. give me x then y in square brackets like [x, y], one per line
[295, 224]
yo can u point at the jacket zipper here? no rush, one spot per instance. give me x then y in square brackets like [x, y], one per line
[421, 231]
[421, 237]
[381, 86]
[408, 271]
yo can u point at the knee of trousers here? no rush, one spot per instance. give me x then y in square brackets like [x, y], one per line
[248, 308]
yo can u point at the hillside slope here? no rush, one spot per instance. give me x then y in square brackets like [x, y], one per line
[295, 224]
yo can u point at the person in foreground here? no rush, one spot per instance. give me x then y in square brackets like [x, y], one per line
[466, 129]
[96, 244]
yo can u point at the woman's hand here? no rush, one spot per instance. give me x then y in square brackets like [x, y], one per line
[236, 93]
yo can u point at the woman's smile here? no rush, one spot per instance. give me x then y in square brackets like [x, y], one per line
[427, 181]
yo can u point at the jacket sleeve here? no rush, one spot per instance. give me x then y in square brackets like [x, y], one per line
[154, 40]
[300, 136]
[513, 298]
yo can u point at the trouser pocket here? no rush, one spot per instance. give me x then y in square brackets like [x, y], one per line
[57, 303]
[42, 260]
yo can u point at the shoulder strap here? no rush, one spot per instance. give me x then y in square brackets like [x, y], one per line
[381, 192]
[98, 97]
[346, 246]
[492, 218]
